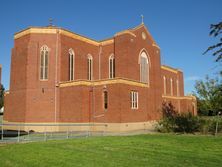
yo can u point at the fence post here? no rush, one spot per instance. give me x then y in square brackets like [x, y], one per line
[45, 133]
[88, 130]
[28, 133]
[67, 133]
[217, 123]
[18, 138]
[2, 135]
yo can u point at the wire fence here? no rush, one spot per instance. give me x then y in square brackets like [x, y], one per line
[43, 132]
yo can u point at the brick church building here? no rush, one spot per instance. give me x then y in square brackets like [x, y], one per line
[58, 76]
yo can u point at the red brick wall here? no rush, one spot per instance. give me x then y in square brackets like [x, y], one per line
[126, 49]
[15, 102]
[175, 76]
[41, 93]
[83, 104]
[183, 105]
[33, 100]
[81, 49]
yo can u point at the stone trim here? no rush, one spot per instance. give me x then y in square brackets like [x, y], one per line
[125, 32]
[61, 31]
[179, 97]
[87, 126]
[81, 38]
[107, 42]
[170, 69]
[35, 30]
[103, 82]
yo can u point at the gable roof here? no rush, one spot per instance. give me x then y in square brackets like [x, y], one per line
[133, 30]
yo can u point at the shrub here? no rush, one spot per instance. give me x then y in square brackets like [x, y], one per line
[172, 121]
[208, 124]
[166, 124]
[186, 123]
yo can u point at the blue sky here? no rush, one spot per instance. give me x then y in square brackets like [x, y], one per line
[180, 27]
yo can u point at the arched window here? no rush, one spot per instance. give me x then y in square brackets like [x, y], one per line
[164, 85]
[44, 62]
[111, 66]
[71, 64]
[178, 88]
[90, 67]
[144, 68]
[105, 100]
[171, 86]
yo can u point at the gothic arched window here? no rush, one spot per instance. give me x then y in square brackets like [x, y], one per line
[71, 64]
[144, 68]
[90, 67]
[164, 85]
[171, 86]
[111, 66]
[44, 62]
[178, 88]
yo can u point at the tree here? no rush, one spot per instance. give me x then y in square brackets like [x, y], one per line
[216, 30]
[2, 90]
[209, 96]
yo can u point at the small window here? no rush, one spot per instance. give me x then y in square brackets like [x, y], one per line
[71, 65]
[134, 99]
[164, 85]
[178, 88]
[171, 87]
[44, 61]
[90, 67]
[105, 99]
[111, 67]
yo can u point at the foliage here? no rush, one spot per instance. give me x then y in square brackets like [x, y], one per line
[166, 124]
[208, 124]
[216, 30]
[186, 123]
[209, 96]
[168, 110]
[175, 122]
[2, 90]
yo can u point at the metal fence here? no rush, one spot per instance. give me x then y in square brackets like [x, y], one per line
[43, 132]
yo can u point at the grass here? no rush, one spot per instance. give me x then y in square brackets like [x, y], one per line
[125, 151]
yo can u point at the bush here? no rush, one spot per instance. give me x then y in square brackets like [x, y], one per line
[208, 124]
[166, 124]
[186, 122]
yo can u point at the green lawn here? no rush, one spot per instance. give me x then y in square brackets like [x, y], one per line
[125, 151]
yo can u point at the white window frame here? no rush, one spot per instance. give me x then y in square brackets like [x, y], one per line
[44, 75]
[90, 67]
[134, 99]
[71, 64]
[111, 66]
